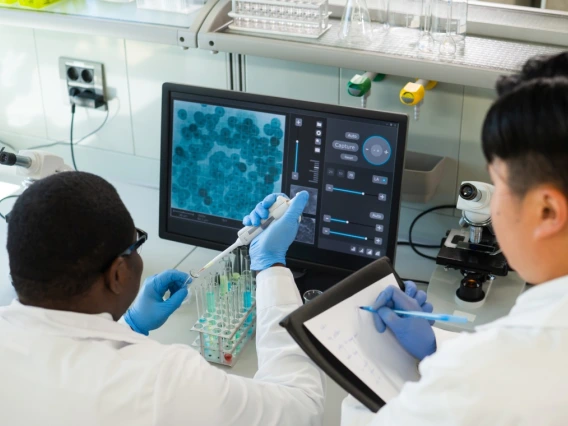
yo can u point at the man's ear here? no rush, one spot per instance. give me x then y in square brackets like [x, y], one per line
[552, 211]
[116, 275]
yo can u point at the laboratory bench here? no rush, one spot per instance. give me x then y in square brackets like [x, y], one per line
[159, 255]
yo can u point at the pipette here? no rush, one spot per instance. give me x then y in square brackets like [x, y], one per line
[249, 233]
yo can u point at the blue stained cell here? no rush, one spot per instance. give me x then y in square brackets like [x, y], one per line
[193, 128]
[271, 161]
[199, 118]
[248, 122]
[278, 133]
[235, 158]
[274, 141]
[220, 111]
[225, 132]
[268, 130]
[179, 151]
[182, 114]
[242, 167]
[186, 133]
[275, 123]
[268, 179]
[255, 131]
[232, 121]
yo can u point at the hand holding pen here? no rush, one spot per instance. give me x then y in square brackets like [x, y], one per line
[414, 334]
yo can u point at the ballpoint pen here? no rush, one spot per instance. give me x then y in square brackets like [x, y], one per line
[424, 315]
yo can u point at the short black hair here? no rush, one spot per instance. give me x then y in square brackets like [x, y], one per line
[63, 231]
[527, 126]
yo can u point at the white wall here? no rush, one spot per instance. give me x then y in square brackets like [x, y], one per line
[34, 109]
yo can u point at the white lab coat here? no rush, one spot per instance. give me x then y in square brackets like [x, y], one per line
[513, 371]
[68, 369]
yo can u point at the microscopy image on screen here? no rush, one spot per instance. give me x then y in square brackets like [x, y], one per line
[307, 230]
[225, 160]
[312, 206]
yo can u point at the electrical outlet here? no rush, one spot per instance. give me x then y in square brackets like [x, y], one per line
[84, 83]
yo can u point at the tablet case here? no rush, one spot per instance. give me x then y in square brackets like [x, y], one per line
[294, 324]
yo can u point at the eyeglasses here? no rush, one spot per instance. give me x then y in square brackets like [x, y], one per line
[142, 237]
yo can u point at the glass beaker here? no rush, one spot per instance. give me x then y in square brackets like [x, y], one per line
[356, 22]
[405, 14]
[458, 20]
[381, 15]
[311, 295]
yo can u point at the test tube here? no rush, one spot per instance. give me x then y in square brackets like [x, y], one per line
[201, 310]
[247, 291]
[210, 299]
[225, 277]
[235, 305]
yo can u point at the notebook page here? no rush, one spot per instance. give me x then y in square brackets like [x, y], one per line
[349, 334]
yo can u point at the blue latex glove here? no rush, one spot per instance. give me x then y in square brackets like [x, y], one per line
[271, 245]
[150, 311]
[414, 334]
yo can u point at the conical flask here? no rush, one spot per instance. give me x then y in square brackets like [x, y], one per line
[356, 22]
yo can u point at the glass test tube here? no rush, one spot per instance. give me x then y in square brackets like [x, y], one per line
[225, 277]
[210, 299]
[201, 309]
[247, 290]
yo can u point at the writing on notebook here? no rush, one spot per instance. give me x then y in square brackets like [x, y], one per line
[349, 334]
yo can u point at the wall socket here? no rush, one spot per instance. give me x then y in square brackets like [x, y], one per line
[84, 83]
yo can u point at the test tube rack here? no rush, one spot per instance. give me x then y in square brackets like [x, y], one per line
[226, 309]
[221, 343]
[300, 18]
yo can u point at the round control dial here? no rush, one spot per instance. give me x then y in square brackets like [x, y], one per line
[377, 150]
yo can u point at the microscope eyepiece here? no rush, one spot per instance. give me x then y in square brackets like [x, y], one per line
[469, 192]
[7, 158]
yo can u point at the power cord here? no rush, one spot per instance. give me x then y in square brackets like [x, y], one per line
[49, 145]
[406, 243]
[6, 198]
[414, 245]
[71, 137]
[415, 281]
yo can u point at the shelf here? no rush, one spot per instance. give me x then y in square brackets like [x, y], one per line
[478, 62]
[121, 20]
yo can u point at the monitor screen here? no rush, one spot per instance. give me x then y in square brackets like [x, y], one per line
[223, 152]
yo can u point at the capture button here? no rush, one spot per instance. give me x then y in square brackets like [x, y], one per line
[345, 146]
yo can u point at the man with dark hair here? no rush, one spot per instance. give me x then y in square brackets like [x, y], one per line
[65, 361]
[512, 371]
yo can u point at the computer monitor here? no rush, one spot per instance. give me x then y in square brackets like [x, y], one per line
[222, 152]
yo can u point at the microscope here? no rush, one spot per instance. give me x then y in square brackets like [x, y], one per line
[33, 165]
[472, 277]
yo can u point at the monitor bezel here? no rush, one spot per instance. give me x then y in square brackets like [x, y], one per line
[169, 89]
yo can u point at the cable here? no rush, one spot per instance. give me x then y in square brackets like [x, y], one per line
[71, 137]
[49, 145]
[416, 281]
[406, 243]
[8, 145]
[411, 243]
[5, 198]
